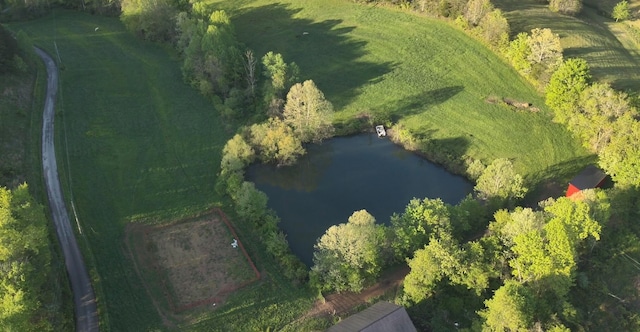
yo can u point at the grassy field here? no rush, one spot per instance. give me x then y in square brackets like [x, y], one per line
[590, 35]
[21, 104]
[423, 73]
[138, 145]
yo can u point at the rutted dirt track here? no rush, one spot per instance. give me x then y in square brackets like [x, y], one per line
[83, 296]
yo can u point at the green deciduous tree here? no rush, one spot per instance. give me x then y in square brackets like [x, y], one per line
[420, 221]
[509, 225]
[518, 53]
[545, 47]
[25, 262]
[495, 28]
[280, 77]
[308, 112]
[475, 10]
[621, 157]
[212, 57]
[348, 256]
[621, 11]
[236, 154]
[510, 309]
[151, 19]
[251, 203]
[276, 142]
[547, 258]
[545, 54]
[567, 7]
[426, 272]
[565, 88]
[500, 182]
[599, 108]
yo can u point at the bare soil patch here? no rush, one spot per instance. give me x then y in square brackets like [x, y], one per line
[189, 263]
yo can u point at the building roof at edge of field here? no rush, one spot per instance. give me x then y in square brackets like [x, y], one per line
[590, 177]
[380, 317]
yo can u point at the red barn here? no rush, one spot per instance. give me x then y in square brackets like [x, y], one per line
[591, 177]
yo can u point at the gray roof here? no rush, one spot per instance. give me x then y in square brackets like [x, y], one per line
[380, 317]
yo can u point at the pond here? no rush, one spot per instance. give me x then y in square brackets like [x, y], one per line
[346, 174]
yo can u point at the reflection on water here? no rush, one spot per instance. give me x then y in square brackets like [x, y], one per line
[303, 176]
[346, 174]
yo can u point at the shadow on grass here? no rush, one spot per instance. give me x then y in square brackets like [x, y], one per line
[419, 103]
[553, 181]
[324, 51]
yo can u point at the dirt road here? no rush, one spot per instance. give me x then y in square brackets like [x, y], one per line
[83, 295]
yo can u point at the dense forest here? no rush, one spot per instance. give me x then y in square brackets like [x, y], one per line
[562, 264]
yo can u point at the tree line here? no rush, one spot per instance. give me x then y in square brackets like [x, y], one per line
[25, 263]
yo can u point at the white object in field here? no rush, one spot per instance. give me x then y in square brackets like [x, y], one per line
[234, 244]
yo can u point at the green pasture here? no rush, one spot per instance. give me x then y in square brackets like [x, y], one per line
[138, 145]
[591, 36]
[420, 72]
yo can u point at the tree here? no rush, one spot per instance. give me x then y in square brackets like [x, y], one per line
[420, 221]
[25, 262]
[153, 20]
[475, 10]
[500, 182]
[510, 309]
[565, 87]
[280, 77]
[599, 108]
[567, 7]
[236, 154]
[250, 72]
[621, 157]
[308, 112]
[509, 225]
[545, 47]
[251, 203]
[212, 57]
[275, 141]
[426, 272]
[547, 258]
[495, 28]
[621, 11]
[348, 256]
[545, 55]
[518, 53]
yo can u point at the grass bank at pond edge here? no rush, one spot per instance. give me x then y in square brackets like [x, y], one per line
[420, 73]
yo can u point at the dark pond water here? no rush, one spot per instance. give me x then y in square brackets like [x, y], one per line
[346, 174]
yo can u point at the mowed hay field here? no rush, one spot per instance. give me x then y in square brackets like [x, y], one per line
[138, 145]
[603, 43]
[426, 75]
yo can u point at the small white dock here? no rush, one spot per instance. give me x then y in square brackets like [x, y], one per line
[380, 131]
